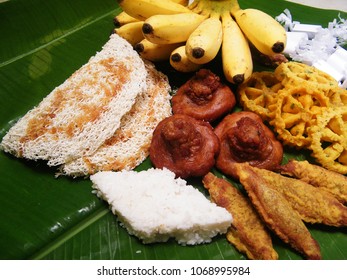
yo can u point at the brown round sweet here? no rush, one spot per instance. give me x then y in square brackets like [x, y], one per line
[186, 146]
[244, 138]
[203, 97]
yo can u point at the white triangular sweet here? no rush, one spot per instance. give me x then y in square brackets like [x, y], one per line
[154, 206]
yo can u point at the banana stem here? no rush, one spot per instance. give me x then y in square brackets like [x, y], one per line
[214, 7]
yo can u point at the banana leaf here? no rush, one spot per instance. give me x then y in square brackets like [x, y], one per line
[47, 217]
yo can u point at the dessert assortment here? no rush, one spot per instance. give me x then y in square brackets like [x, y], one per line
[230, 133]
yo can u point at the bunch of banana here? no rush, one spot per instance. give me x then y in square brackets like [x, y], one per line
[191, 35]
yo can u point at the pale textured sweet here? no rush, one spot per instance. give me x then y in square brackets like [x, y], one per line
[80, 114]
[154, 206]
[129, 146]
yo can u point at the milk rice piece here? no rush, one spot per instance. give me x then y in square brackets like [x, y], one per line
[155, 206]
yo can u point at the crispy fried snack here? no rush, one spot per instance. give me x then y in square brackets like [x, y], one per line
[247, 232]
[336, 95]
[314, 205]
[296, 109]
[295, 73]
[329, 139]
[317, 176]
[277, 213]
[258, 92]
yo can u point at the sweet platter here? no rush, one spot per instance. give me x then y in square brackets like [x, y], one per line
[48, 217]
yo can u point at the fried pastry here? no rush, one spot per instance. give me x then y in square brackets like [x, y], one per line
[277, 213]
[296, 109]
[314, 205]
[185, 145]
[203, 97]
[245, 138]
[247, 232]
[258, 92]
[318, 176]
[329, 139]
[295, 73]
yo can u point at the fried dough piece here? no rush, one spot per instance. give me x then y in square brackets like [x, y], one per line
[295, 110]
[259, 92]
[185, 145]
[204, 97]
[297, 73]
[245, 138]
[277, 213]
[314, 205]
[247, 233]
[329, 139]
[318, 176]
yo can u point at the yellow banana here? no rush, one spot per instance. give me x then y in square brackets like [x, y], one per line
[262, 30]
[168, 29]
[181, 2]
[204, 42]
[208, 7]
[154, 52]
[123, 18]
[236, 54]
[143, 9]
[132, 32]
[180, 61]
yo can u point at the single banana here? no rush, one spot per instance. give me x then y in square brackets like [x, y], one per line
[143, 9]
[204, 42]
[262, 30]
[132, 32]
[236, 54]
[123, 18]
[169, 29]
[180, 61]
[154, 52]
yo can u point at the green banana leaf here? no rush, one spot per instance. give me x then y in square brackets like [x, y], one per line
[46, 217]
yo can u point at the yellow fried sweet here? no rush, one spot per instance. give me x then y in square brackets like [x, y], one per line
[277, 213]
[320, 177]
[258, 92]
[329, 139]
[295, 110]
[295, 73]
[247, 233]
[314, 205]
[336, 95]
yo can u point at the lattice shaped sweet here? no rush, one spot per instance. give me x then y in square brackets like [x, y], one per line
[329, 139]
[296, 109]
[336, 95]
[259, 92]
[296, 73]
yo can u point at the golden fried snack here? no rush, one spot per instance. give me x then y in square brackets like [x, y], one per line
[247, 232]
[314, 205]
[336, 95]
[258, 92]
[329, 139]
[277, 213]
[295, 73]
[296, 109]
[318, 176]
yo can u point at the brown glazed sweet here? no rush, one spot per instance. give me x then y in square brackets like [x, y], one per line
[244, 138]
[184, 145]
[203, 97]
